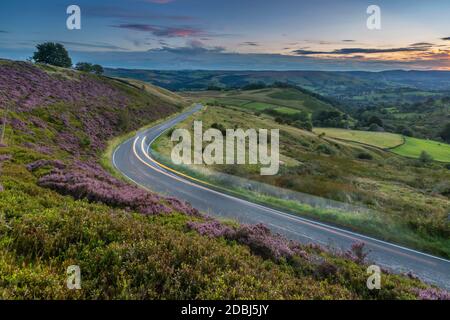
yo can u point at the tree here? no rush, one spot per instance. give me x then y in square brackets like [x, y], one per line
[375, 128]
[425, 157]
[407, 132]
[52, 53]
[97, 69]
[89, 67]
[445, 134]
[84, 66]
[376, 120]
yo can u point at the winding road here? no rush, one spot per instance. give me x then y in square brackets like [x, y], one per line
[133, 161]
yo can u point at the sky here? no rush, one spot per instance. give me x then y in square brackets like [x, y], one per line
[235, 34]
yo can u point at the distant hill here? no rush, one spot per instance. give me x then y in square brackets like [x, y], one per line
[324, 82]
[416, 100]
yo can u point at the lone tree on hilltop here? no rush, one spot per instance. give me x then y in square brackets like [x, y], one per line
[52, 53]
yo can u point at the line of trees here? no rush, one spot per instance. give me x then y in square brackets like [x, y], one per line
[56, 55]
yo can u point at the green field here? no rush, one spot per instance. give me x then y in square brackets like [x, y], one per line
[270, 97]
[378, 139]
[414, 147]
[257, 106]
[411, 148]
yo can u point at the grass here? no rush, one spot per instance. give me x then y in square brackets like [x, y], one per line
[413, 147]
[263, 99]
[126, 255]
[361, 220]
[285, 110]
[403, 146]
[382, 140]
[258, 106]
[413, 199]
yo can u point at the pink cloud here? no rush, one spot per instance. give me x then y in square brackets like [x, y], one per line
[163, 31]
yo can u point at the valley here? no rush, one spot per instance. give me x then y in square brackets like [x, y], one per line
[371, 169]
[59, 207]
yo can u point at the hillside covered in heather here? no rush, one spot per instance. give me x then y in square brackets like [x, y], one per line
[59, 207]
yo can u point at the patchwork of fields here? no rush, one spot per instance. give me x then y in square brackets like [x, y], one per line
[283, 100]
[398, 144]
[413, 147]
[382, 140]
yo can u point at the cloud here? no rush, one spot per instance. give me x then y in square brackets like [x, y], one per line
[348, 40]
[103, 46]
[250, 43]
[193, 47]
[195, 56]
[3, 31]
[123, 13]
[446, 38]
[421, 44]
[161, 31]
[345, 51]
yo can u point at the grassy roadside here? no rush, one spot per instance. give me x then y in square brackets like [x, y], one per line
[112, 144]
[365, 222]
[393, 226]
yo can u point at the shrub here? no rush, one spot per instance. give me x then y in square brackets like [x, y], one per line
[212, 228]
[425, 157]
[89, 181]
[43, 163]
[219, 127]
[365, 156]
[257, 237]
[407, 132]
[433, 294]
[97, 69]
[375, 128]
[324, 148]
[357, 252]
[445, 133]
[83, 66]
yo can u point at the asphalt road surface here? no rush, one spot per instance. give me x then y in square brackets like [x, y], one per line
[133, 161]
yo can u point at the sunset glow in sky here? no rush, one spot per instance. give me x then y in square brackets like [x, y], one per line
[235, 34]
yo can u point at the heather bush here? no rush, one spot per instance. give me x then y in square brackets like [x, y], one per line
[57, 164]
[357, 252]
[5, 157]
[257, 237]
[91, 182]
[262, 242]
[433, 294]
[75, 112]
[28, 87]
[312, 260]
[211, 228]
